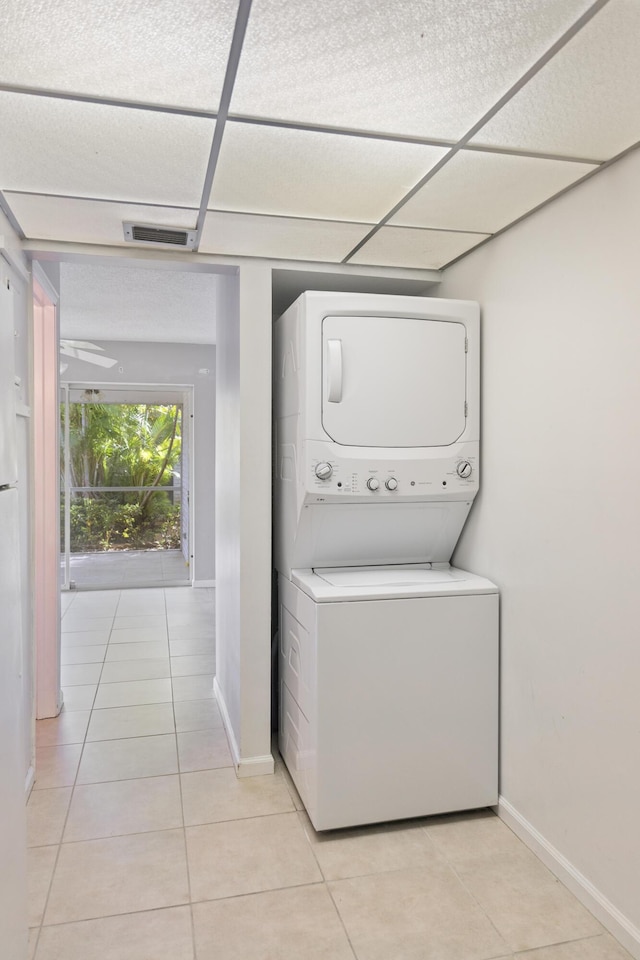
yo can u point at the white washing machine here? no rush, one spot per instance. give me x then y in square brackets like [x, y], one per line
[388, 656]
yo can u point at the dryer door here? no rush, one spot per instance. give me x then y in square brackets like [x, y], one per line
[393, 381]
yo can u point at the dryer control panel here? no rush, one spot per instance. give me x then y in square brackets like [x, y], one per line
[449, 476]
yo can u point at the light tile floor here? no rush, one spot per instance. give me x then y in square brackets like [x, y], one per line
[145, 846]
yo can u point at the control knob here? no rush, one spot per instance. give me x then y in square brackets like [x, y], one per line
[373, 483]
[464, 469]
[391, 483]
[323, 471]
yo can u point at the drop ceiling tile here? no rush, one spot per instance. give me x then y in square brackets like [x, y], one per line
[420, 67]
[160, 52]
[297, 173]
[239, 234]
[486, 191]
[586, 101]
[88, 221]
[107, 301]
[92, 150]
[411, 247]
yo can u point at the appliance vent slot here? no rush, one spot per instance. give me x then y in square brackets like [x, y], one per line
[158, 235]
[163, 236]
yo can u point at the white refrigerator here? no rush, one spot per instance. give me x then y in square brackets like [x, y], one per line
[13, 923]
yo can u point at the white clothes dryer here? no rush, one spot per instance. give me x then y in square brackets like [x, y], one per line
[388, 662]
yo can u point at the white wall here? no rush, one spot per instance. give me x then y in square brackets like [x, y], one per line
[15, 685]
[243, 514]
[171, 363]
[557, 523]
[227, 506]
[243, 482]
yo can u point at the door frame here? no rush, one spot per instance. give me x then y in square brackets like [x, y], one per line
[82, 253]
[45, 494]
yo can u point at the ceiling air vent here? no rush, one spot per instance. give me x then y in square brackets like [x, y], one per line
[159, 236]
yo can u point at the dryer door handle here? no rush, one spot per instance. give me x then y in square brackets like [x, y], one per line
[334, 364]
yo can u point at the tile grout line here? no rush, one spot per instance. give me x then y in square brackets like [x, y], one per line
[92, 707]
[112, 836]
[109, 916]
[142, 736]
[176, 906]
[257, 893]
[498, 956]
[469, 892]
[529, 949]
[325, 882]
[75, 783]
[135, 833]
[561, 943]
[184, 829]
[490, 919]
[66, 818]
[149, 777]
[73, 787]
[175, 727]
[64, 825]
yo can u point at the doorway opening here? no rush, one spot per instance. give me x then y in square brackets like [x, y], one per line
[124, 485]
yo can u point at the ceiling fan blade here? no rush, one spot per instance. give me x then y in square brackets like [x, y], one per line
[87, 357]
[82, 344]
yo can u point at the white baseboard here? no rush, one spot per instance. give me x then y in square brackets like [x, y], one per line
[245, 766]
[203, 583]
[226, 720]
[30, 779]
[609, 916]
[45, 715]
[256, 766]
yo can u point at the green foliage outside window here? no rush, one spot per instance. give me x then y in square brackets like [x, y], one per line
[124, 445]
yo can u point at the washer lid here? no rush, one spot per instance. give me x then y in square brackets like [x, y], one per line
[337, 584]
[393, 576]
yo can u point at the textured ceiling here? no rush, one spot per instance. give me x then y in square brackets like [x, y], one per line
[356, 131]
[123, 303]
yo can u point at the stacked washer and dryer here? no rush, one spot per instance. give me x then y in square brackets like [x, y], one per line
[388, 656]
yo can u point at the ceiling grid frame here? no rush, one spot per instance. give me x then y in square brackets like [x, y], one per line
[531, 72]
[131, 203]
[283, 124]
[239, 31]
[603, 166]
[11, 217]
[224, 115]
